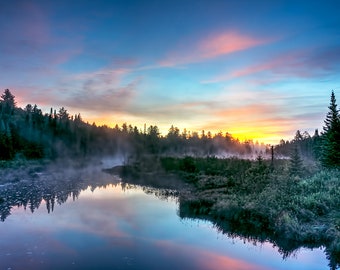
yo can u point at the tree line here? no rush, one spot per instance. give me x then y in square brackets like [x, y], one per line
[323, 147]
[30, 133]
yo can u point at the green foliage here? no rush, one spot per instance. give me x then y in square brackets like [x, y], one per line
[295, 165]
[188, 165]
[309, 146]
[6, 149]
[33, 150]
[257, 176]
[169, 164]
[272, 204]
[213, 166]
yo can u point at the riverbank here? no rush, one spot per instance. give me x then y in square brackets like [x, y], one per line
[12, 171]
[17, 170]
[256, 200]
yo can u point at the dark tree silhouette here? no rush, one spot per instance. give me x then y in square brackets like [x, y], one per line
[331, 136]
[7, 107]
[7, 103]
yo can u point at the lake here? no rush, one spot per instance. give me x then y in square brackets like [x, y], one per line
[90, 220]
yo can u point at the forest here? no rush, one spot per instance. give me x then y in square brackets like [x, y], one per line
[31, 134]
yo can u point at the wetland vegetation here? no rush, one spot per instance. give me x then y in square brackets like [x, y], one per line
[252, 199]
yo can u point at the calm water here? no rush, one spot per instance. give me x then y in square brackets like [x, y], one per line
[114, 227]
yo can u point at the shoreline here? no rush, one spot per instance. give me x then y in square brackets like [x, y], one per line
[258, 203]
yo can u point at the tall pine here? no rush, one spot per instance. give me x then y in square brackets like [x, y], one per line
[331, 136]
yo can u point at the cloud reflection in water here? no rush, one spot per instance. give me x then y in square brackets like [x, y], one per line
[109, 228]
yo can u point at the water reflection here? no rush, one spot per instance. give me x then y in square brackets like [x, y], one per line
[115, 225]
[52, 187]
[246, 231]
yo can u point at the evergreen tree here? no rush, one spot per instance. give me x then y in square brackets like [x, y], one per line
[295, 165]
[7, 106]
[332, 116]
[298, 136]
[317, 143]
[8, 103]
[331, 136]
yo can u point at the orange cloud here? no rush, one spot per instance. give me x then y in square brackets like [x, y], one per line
[212, 47]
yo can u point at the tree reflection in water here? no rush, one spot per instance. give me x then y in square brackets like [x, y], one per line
[241, 229]
[55, 188]
[52, 186]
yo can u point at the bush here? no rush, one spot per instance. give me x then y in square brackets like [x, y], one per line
[188, 165]
[33, 151]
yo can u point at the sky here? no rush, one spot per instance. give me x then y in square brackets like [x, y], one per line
[257, 69]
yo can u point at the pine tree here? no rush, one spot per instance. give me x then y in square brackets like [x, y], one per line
[8, 102]
[331, 136]
[7, 106]
[295, 166]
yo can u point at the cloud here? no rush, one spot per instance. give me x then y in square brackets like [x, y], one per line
[262, 122]
[106, 90]
[248, 115]
[324, 60]
[27, 32]
[227, 43]
[306, 63]
[258, 120]
[249, 111]
[103, 92]
[30, 45]
[211, 47]
[244, 120]
[34, 95]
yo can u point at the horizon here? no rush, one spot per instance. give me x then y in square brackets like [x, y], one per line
[259, 71]
[163, 133]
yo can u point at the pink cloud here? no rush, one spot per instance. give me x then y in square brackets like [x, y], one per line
[283, 63]
[271, 65]
[227, 43]
[304, 63]
[204, 259]
[211, 47]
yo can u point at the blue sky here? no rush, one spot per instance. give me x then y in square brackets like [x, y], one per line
[256, 69]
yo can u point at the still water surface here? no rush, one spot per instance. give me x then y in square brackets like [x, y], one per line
[113, 227]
